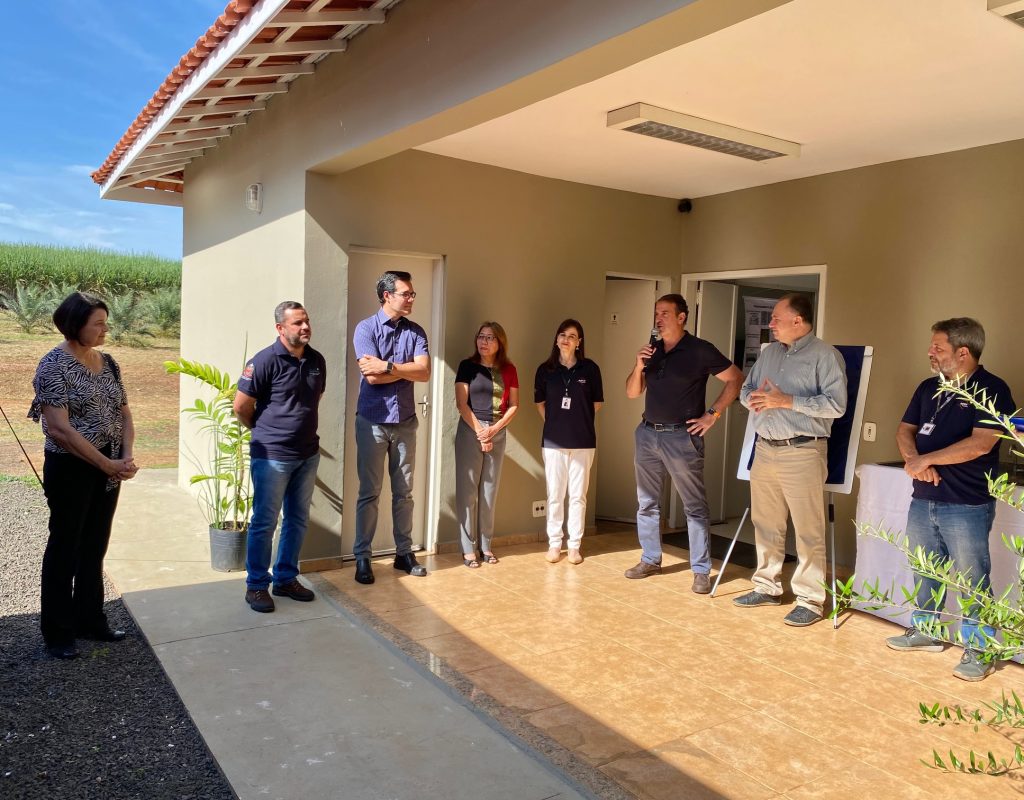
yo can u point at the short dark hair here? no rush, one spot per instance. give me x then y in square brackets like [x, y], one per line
[678, 301]
[963, 332]
[74, 312]
[287, 305]
[801, 305]
[386, 282]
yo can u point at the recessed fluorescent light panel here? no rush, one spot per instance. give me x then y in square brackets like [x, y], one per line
[672, 126]
[1013, 10]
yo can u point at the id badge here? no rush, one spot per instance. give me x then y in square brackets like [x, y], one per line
[927, 428]
[566, 403]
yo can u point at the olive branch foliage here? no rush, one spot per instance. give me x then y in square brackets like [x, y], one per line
[1000, 612]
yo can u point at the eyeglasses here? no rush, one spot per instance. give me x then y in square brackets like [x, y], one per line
[486, 338]
[570, 337]
[405, 295]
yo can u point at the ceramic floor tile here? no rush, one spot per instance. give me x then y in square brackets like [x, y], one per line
[751, 682]
[859, 782]
[510, 687]
[467, 655]
[682, 770]
[776, 754]
[591, 739]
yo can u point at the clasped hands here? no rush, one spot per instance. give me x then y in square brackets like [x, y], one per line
[124, 469]
[920, 470]
[769, 396]
[484, 437]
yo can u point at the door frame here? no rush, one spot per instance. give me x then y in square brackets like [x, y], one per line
[688, 284]
[435, 339]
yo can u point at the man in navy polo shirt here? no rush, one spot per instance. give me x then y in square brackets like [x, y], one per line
[391, 352]
[948, 448]
[670, 438]
[278, 398]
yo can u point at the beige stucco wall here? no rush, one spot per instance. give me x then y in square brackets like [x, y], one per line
[906, 244]
[523, 250]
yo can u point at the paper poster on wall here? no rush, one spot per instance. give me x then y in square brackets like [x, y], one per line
[758, 311]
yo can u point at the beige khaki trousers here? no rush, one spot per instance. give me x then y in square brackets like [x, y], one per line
[787, 481]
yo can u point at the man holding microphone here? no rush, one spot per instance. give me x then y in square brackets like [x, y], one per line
[673, 371]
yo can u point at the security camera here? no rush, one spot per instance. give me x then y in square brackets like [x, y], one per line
[685, 206]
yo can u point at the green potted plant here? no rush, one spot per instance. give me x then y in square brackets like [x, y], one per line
[223, 481]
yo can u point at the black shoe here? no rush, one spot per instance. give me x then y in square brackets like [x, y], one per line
[259, 600]
[62, 651]
[408, 563]
[101, 635]
[364, 572]
[294, 590]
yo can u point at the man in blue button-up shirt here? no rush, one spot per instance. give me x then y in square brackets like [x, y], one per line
[795, 389]
[391, 352]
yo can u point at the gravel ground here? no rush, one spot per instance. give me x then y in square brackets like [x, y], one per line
[106, 725]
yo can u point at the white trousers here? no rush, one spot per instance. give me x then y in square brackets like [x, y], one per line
[567, 471]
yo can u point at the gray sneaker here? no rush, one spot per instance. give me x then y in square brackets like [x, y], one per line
[972, 668]
[701, 583]
[642, 570]
[753, 599]
[801, 617]
[913, 639]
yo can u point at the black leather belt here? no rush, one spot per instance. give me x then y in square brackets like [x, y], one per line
[667, 428]
[790, 442]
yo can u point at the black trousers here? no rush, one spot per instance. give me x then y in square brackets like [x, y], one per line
[81, 514]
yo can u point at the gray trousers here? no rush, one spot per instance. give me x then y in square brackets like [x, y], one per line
[397, 443]
[476, 487]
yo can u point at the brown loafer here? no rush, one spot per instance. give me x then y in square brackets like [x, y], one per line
[701, 583]
[643, 570]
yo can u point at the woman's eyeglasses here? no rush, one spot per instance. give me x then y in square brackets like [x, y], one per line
[486, 338]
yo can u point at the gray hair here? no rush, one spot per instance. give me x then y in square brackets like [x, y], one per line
[963, 332]
[287, 305]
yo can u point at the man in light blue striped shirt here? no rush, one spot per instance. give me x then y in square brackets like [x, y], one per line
[795, 389]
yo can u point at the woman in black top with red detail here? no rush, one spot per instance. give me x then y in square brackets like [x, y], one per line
[487, 396]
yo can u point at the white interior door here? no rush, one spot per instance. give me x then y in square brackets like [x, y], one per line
[716, 323]
[364, 268]
[628, 315]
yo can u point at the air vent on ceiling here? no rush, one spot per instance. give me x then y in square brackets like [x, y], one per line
[672, 126]
[1013, 10]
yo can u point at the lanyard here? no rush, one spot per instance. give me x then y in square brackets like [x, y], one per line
[568, 380]
[941, 404]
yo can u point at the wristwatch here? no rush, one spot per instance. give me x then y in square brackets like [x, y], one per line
[713, 412]
[390, 367]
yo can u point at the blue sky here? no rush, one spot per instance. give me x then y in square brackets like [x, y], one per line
[73, 76]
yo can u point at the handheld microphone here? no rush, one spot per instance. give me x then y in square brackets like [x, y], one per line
[655, 338]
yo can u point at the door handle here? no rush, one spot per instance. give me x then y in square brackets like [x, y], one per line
[424, 405]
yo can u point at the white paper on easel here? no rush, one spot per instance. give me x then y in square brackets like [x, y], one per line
[758, 313]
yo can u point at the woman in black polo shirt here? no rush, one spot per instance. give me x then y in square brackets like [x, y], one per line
[487, 396]
[567, 390]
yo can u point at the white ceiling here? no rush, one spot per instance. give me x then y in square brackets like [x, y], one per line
[855, 82]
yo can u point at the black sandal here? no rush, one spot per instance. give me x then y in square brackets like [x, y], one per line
[472, 563]
[489, 558]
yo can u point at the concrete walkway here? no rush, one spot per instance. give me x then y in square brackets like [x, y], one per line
[304, 702]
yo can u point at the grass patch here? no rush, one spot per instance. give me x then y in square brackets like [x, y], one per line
[28, 480]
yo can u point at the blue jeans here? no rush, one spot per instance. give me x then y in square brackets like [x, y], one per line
[277, 484]
[374, 443]
[681, 456]
[957, 532]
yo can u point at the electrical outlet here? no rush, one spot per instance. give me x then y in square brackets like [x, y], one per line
[540, 508]
[869, 431]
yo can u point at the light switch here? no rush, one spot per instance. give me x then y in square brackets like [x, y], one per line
[869, 431]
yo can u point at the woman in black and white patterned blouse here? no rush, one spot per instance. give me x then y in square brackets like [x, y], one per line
[89, 436]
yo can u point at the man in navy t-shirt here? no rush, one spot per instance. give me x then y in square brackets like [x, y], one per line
[949, 446]
[278, 398]
[670, 439]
